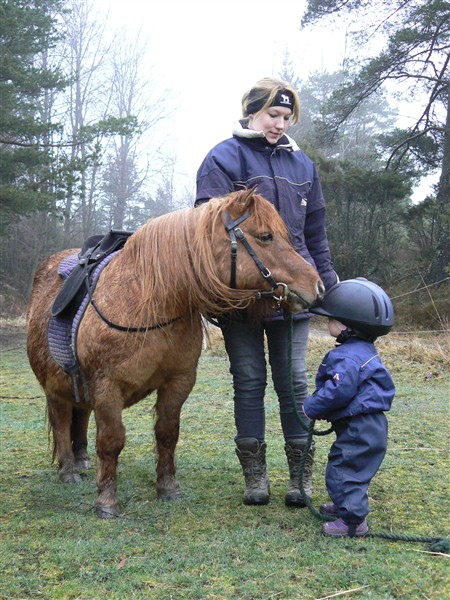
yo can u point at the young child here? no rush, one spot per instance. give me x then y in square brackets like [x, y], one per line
[354, 389]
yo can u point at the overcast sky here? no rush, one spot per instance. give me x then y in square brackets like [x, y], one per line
[210, 51]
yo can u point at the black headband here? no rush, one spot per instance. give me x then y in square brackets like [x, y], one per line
[283, 98]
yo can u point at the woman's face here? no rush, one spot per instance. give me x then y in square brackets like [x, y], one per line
[273, 122]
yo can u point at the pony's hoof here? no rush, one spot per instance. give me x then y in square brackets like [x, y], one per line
[107, 512]
[70, 477]
[169, 495]
[83, 463]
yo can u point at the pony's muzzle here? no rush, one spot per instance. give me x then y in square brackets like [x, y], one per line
[298, 303]
[295, 302]
[320, 292]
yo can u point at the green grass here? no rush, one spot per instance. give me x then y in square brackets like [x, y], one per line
[208, 545]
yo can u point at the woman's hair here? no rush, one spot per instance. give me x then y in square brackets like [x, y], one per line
[263, 94]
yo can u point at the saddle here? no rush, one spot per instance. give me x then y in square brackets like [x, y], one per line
[93, 251]
[80, 272]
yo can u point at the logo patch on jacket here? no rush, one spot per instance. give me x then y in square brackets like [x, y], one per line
[336, 377]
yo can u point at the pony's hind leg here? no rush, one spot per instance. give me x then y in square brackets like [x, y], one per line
[60, 418]
[167, 428]
[79, 429]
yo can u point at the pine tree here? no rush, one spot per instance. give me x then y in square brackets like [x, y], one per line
[415, 62]
[28, 29]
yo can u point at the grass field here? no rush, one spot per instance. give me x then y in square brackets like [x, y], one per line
[208, 545]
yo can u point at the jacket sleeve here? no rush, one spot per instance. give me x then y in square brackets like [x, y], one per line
[212, 181]
[316, 234]
[340, 377]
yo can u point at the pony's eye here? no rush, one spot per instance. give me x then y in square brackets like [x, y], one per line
[265, 238]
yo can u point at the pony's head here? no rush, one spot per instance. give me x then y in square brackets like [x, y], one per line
[266, 264]
[182, 261]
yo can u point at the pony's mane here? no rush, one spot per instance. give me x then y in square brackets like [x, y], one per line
[175, 251]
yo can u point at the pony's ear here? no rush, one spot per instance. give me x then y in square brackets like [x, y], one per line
[245, 199]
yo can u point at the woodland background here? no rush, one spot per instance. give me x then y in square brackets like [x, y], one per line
[76, 106]
[76, 109]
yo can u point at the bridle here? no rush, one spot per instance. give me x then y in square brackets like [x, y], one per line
[236, 233]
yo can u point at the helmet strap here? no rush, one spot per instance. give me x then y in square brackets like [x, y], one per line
[344, 336]
[350, 332]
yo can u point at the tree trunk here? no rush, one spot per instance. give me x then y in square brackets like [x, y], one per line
[440, 266]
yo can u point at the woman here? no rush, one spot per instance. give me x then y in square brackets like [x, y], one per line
[261, 154]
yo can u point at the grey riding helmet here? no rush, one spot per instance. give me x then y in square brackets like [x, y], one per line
[359, 304]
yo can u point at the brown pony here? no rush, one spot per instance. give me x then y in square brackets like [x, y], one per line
[175, 267]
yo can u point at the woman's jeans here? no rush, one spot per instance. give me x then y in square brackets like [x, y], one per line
[244, 343]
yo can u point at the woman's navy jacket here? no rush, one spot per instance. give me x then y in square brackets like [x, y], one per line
[283, 175]
[352, 380]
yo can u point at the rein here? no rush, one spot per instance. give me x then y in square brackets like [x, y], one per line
[142, 329]
[126, 329]
[234, 231]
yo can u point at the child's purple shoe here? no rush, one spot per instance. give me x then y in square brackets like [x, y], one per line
[340, 528]
[329, 509]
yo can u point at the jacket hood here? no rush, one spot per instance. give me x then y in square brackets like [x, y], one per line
[244, 132]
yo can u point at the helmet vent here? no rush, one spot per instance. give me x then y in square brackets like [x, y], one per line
[376, 307]
[387, 310]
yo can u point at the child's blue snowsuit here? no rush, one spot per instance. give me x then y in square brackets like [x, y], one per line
[353, 389]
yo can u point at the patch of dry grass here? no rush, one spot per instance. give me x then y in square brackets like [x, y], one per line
[426, 353]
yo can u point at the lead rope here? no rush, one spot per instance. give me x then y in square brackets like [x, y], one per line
[437, 544]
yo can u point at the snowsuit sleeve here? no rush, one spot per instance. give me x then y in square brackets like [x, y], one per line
[336, 385]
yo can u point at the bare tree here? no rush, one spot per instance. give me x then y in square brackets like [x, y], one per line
[133, 160]
[86, 102]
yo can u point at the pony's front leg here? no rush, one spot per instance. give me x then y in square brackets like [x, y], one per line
[171, 398]
[60, 418]
[110, 442]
